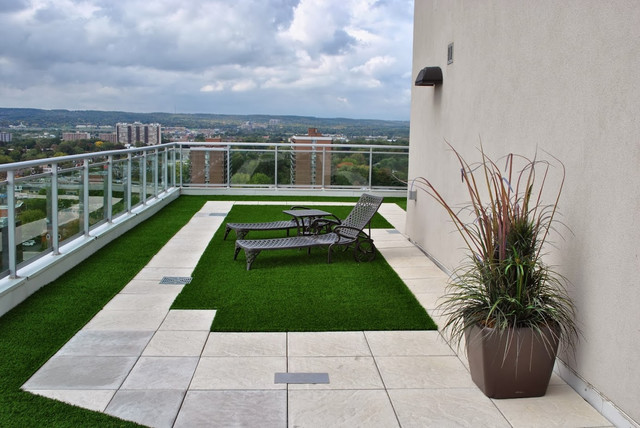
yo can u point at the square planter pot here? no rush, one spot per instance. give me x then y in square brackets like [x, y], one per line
[513, 363]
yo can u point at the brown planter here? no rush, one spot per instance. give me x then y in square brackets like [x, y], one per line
[512, 364]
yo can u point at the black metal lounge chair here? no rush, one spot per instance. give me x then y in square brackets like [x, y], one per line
[349, 232]
[242, 229]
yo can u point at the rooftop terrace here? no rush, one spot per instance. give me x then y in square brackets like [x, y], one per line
[140, 361]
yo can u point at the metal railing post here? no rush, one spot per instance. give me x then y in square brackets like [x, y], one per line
[55, 244]
[11, 223]
[275, 172]
[85, 196]
[156, 154]
[228, 166]
[324, 157]
[108, 196]
[143, 174]
[129, 188]
[370, 167]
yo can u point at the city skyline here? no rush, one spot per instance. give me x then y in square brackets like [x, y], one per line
[349, 58]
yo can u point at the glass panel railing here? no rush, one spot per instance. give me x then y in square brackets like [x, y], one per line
[349, 168]
[92, 189]
[244, 164]
[284, 170]
[206, 166]
[136, 180]
[97, 193]
[70, 194]
[119, 191]
[390, 169]
[4, 230]
[150, 166]
[33, 217]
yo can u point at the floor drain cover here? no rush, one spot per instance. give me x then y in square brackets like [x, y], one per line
[175, 280]
[302, 378]
[217, 214]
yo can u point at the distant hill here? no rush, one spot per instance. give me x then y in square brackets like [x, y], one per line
[67, 119]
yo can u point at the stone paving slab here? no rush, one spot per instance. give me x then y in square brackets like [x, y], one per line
[265, 409]
[156, 408]
[85, 372]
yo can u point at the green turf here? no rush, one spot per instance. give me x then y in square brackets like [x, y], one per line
[289, 290]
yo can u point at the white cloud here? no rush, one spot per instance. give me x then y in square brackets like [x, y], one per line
[212, 87]
[280, 51]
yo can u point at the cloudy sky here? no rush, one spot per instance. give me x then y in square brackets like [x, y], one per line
[325, 58]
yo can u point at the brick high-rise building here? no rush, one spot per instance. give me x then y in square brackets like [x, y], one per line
[208, 166]
[131, 134]
[310, 159]
[75, 136]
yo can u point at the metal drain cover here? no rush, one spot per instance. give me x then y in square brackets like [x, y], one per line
[217, 214]
[299, 378]
[179, 280]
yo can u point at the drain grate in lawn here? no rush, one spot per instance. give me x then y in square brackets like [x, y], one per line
[290, 290]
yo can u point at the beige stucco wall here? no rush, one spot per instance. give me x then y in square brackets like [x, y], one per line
[563, 77]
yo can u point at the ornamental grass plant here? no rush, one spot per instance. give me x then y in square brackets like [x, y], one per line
[503, 282]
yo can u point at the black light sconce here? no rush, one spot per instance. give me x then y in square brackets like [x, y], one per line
[429, 76]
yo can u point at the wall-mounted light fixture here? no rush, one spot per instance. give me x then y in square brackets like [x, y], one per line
[429, 76]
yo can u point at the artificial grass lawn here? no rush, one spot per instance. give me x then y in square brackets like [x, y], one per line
[289, 290]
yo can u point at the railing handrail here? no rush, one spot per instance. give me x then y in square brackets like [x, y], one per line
[13, 166]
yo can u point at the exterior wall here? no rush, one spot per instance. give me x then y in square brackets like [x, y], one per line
[560, 77]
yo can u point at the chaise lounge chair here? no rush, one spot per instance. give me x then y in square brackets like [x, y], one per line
[349, 232]
[242, 229]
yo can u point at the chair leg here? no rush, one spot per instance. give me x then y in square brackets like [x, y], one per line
[235, 254]
[226, 232]
[251, 256]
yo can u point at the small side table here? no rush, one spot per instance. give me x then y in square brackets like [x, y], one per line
[310, 214]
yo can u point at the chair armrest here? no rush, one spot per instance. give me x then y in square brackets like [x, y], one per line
[359, 233]
[299, 207]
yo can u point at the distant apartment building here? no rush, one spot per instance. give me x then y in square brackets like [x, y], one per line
[208, 166]
[75, 136]
[311, 153]
[109, 137]
[5, 137]
[136, 134]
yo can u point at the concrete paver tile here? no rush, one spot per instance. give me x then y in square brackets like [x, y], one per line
[424, 372]
[155, 408]
[81, 373]
[406, 343]
[341, 409]
[334, 343]
[246, 345]
[107, 343]
[161, 373]
[176, 343]
[238, 373]
[344, 372]
[435, 408]
[265, 409]
[178, 319]
[560, 407]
